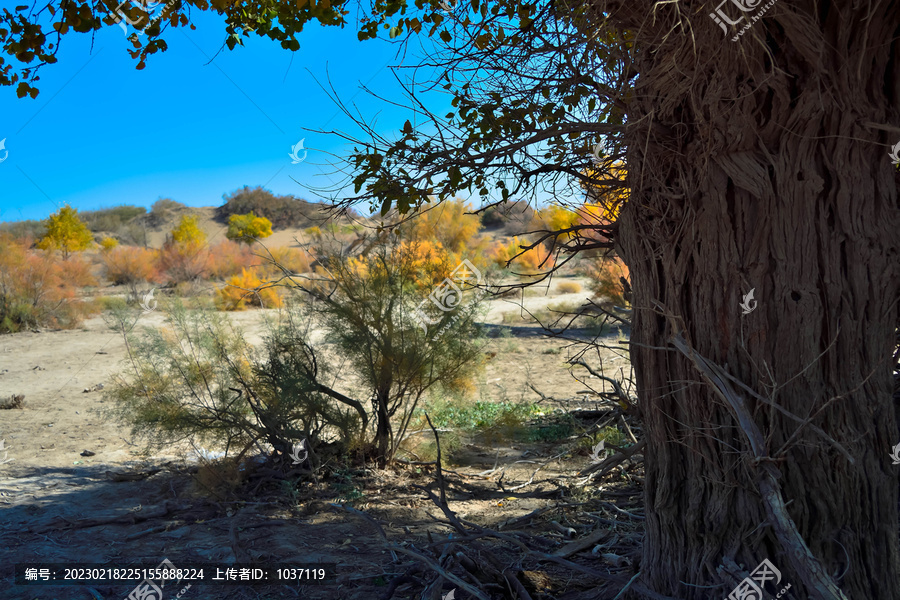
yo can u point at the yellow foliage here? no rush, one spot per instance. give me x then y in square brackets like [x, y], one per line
[294, 260]
[248, 228]
[242, 291]
[66, 232]
[188, 231]
[418, 264]
[538, 259]
[553, 218]
[108, 243]
[569, 287]
[446, 223]
[606, 197]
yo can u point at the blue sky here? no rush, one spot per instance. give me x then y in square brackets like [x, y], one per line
[102, 133]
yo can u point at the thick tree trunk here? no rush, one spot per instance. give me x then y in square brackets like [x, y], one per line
[754, 165]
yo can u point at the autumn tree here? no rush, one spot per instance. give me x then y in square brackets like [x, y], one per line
[452, 223]
[66, 232]
[184, 255]
[248, 228]
[401, 335]
[757, 159]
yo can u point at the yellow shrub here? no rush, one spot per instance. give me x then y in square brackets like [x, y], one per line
[446, 223]
[242, 292]
[248, 228]
[294, 260]
[538, 259]
[553, 218]
[108, 243]
[188, 231]
[569, 287]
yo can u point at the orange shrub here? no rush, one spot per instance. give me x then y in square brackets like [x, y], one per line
[229, 258]
[536, 260]
[130, 265]
[183, 261]
[241, 292]
[38, 289]
[607, 274]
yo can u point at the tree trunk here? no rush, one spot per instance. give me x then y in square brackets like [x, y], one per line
[383, 430]
[754, 165]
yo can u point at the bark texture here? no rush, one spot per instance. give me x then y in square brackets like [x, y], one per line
[763, 164]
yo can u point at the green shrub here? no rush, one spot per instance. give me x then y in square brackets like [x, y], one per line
[200, 380]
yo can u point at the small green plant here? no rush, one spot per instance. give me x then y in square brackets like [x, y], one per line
[111, 302]
[609, 434]
[508, 343]
[550, 428]
[200, 380]
[496, 420]
[345, 487]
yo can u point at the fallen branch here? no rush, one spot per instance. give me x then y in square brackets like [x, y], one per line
[441, 571]
[131, 518]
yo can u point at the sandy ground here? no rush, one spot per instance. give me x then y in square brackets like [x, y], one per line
[49, 488]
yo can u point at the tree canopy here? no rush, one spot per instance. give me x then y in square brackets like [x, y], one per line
[66, 232]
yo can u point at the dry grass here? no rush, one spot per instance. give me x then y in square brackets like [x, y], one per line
[569, 287]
